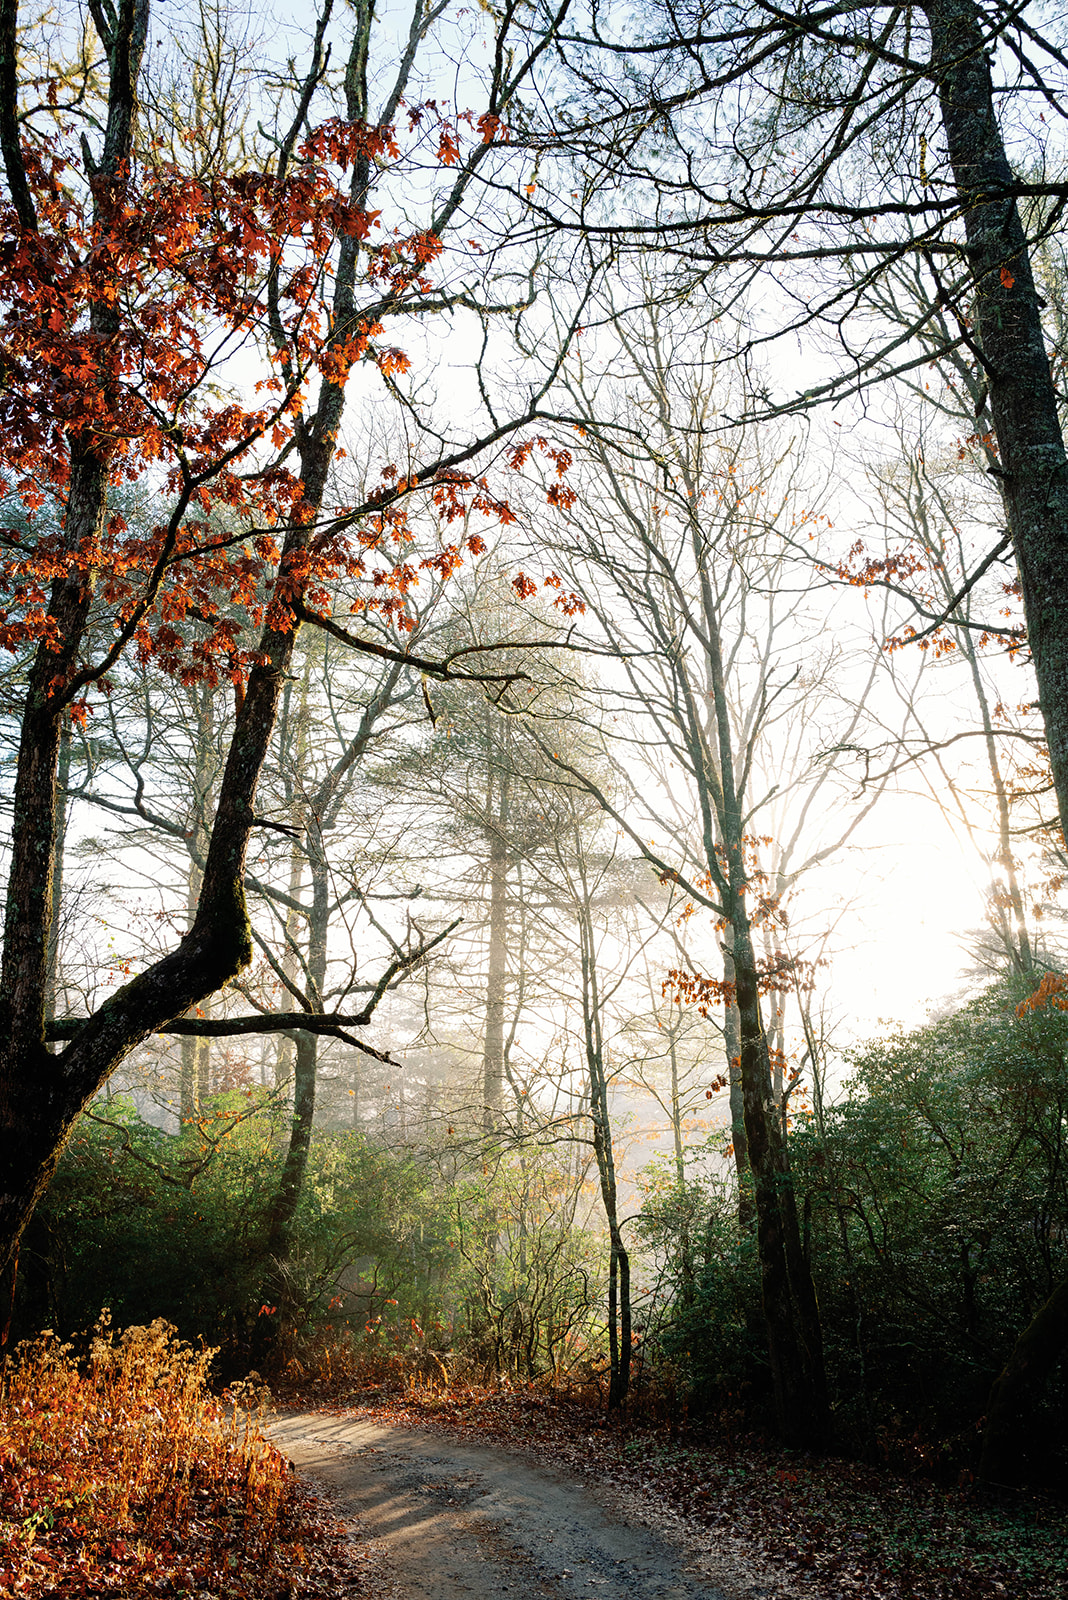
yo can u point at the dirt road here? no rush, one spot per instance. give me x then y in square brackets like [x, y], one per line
[456, 1521]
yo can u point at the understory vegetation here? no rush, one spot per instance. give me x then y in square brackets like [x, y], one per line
[122, 1473]
[934, 1193]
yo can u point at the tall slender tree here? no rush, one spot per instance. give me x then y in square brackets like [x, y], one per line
[682, 549]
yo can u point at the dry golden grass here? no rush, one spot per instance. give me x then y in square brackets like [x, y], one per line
[121, 1473]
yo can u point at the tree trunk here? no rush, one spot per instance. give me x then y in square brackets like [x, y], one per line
[619, 1306]
[619, 1321]
[62, 816]
[291, 1183]
[1009, 1436]
[1008, 323]
[293, 732]
[687, 1272]
[294, 1170]
[732, 1046]
[285, 1048]
[497, 968]
[795, 1340]
[791, 1312]
[1034, 482]
[195, 1079]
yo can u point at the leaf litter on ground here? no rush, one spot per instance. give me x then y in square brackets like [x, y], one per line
[831, 1527]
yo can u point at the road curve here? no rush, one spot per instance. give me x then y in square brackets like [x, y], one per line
[463, 1521]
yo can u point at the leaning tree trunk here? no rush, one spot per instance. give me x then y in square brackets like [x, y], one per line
[42, 1094]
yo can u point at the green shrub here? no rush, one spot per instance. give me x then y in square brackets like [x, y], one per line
[703, 1332]
[934, 1200]
[389, 1256]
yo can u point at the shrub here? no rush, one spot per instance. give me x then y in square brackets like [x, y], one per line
[705, 1336]
[120, 1472]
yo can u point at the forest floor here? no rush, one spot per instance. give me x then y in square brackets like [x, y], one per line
[481, 1494]
[132, 1481]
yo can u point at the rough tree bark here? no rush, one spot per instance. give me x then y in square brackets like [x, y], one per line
[1034, 467]
[1034, 482]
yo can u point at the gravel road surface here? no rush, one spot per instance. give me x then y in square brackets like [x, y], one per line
[456, 1521]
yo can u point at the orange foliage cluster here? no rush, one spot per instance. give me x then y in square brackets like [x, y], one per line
[1052, 991]
[566, 600]
[781, 974]
[984, 440]
[118, 314]
[862, 570]
[122, 1475]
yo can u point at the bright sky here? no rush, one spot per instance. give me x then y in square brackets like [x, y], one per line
[912, 898]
